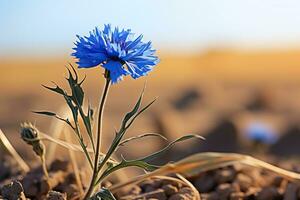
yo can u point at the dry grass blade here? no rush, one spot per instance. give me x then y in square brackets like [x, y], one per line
[75, 166]
[56, 129]
[62, 143]
[202, 162]
[189, 184]
[68, 145]
[11, 150]
[210, 161]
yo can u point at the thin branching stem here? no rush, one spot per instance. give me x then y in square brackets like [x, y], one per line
[84, 147]
[44, 166]
[98, 136]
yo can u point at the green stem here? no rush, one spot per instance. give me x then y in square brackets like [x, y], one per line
[84, 148]
[99, 133]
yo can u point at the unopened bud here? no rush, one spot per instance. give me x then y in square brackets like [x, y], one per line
[30, 134]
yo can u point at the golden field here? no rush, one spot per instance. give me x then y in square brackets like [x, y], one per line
[226, 80]
[215, 65]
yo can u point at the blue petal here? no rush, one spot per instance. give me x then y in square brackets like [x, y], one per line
[137, 71]
[132, 44]
[107, 29]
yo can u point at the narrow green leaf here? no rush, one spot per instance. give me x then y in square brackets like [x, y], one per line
[74, 71]
[73, 108]
[77, 91]
[88, 125]
[87, 122]
[45, 113]
[103, 194]
[130, 114]
[141, 164]
[82, 80]
[71, 75]
[169, 146]
[56, 89]
[134, 110]
[90, 113]
[52, 114]
[125, 164]
[122, 143]
[77, 94]
[140, 112]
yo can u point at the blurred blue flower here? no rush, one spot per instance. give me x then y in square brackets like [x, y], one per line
[118, 51]
[261, 132]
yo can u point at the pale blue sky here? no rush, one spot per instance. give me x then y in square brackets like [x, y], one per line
[48, 26]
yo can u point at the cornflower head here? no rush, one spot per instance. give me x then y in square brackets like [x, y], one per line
[118, 51]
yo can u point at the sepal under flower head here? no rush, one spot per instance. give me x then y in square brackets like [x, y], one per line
[118, 51]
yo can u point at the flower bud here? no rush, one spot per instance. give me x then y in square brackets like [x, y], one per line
[30, 134]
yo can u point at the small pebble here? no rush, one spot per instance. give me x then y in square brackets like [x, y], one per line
[243, 181]
[149, 188]
[188, 192]
[277, 181]
[179, 197]
[224, 190]
[237, 196]
[158, 194]
[210, 196]
[171, 182]
[252, 192]
[205, 183]
[13, 191]
[146, 183]
[291, 192]
[53, 195]
[269, 193]
[60, 165]
[170, 189]
[225, 175]
[135, 190]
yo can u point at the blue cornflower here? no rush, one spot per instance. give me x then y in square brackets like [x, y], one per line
[118, 51]
[261, 132]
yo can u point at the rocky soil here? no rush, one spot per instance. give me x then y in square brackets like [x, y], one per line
[236, 182]
[34, 185]
[244, 183]
[159, 189]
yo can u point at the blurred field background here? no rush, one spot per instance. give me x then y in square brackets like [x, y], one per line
[217, 77]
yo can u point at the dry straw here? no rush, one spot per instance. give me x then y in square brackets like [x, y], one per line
[202, 162]
[74, 165]
[11, 150]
